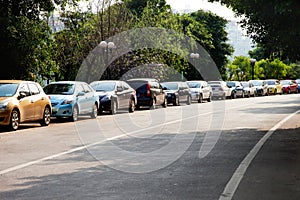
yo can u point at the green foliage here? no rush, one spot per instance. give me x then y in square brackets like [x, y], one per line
[241, 69]
[274, 24]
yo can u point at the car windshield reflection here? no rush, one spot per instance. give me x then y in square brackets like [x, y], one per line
[103, 86]
[8, 89]
[62, 89]
[170, 86]
[194, 85]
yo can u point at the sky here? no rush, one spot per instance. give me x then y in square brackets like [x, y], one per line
[194, 5]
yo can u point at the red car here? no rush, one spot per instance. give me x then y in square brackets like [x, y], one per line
[289, 86]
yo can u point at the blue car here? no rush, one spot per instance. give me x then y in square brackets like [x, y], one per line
[72, 98]
[298, 81]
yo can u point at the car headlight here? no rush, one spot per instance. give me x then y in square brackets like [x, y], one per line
[67, 101]
[107, 97]
[3, 106]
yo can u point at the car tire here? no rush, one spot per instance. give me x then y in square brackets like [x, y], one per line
[46, 117]
[200, 100]
[113, 107]
[209, 98]
[188, 101]
[233, 95]
[176, 103]
[165, 103]
[94, 113]
[131, 106]
[74, 116]
[14, 120]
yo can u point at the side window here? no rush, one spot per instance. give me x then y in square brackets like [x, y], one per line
[80, 88]
[24, 88]
[125, 86]
[33, 88]
[119, 87]
[86, 88]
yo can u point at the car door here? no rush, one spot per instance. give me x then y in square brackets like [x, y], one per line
[37, 100]
[205, 90]
[127, 94]
[81, 99]
[89, 97]
[121, 95]
[26, 104]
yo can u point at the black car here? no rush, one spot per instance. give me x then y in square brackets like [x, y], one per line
[177, 92]
[114, 95]
[237, 89]
[149, 92]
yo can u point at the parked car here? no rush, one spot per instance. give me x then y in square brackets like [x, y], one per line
[220, 90]
[261, 87]
[289, 86]
[249, 89]
[237, 89]
[72, 98]
[200, 91]
[177, 92]
[149, 92]
[274, 86]
[114, 95]
[298, 82]
[23, 101]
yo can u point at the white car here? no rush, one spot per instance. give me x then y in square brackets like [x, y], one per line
[249, 89]
[220, 89]
[200, 90]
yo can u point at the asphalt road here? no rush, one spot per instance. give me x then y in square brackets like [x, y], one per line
[234, 149]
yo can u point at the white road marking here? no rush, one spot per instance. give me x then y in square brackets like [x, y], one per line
[236, 178]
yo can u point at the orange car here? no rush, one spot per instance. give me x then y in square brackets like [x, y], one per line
[23, 101]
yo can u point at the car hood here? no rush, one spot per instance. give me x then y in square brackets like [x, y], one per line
[285, 85]
[195, 89]
[104, 93]
[58, 98]
[170, 91]
[272, 86]
[5, 99]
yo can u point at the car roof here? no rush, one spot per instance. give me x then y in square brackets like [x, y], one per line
[16, 81]
[142, 79]
[109, 81]
[70, 82]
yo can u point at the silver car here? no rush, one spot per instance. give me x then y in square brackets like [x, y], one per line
[200, 90]
[220, 90]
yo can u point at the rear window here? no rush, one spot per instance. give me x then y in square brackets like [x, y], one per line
[137, 84]
[170, 86]
[194, 84]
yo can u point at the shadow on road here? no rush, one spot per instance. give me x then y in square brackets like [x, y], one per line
[80, 176]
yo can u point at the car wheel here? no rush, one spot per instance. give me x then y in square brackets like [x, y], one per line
[165, 104]
[188, 101]
[176, 103]
[74, 116]
[209, 98]
[200, 100]
[113, 107]
[233, 95]
[14, 120]
[46, 117]
[131, 106]
[94, 111]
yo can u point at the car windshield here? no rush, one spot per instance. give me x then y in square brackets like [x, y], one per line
[103, 86]
[245, 84]
[271, 82]
[231, 84]
[8, 89]
[194, 84]
[60, 88]
[285, 82]
[257, 83]
[170, 86]
[214, 82]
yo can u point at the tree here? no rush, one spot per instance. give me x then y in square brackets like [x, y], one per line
[219, 49]
[25, 37]
[274, 24]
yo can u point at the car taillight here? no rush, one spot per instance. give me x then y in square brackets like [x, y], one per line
[49, 97]
[148, 90]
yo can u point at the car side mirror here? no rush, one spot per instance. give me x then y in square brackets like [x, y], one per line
[21, 95]
[80, 94]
